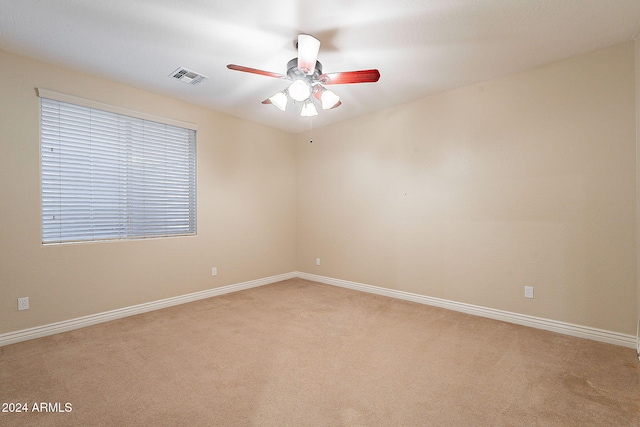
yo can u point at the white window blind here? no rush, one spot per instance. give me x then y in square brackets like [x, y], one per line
[108, 176]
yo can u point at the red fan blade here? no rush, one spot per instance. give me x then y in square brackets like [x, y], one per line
[345, 77]
[266, 101]
[337, 105]
[308, 47]
[255, 71]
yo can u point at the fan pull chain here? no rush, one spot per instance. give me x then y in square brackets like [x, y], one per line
[310, 131]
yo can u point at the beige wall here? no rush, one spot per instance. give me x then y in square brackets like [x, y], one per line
[637, 45]
[244, 218]
[469, 196]
[472, 194]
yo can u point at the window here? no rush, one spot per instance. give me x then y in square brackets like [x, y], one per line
[107, 175]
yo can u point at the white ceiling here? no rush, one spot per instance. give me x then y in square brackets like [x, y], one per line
[421, 47]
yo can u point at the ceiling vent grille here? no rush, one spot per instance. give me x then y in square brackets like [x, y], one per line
[188, 76]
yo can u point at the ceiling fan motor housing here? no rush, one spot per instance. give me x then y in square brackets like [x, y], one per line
[295, 74]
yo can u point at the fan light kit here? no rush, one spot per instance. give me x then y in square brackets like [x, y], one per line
[309, 82]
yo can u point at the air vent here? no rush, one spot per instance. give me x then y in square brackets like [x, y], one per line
[188, 76]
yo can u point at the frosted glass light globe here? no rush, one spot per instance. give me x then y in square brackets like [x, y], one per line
[299, 90]
[308, 109]
[279, 100]
[329, 99]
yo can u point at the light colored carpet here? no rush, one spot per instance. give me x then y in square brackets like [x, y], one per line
[299, 353]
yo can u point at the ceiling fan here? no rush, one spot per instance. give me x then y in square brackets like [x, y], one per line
[309, 82]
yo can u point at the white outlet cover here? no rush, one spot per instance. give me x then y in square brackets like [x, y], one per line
[214, 271]
[528, 291]
[23, 303]
[317, 261]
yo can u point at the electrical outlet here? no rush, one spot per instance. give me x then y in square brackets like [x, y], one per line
[528, 291]
[214, 271]
[317, 261]
[23, 303]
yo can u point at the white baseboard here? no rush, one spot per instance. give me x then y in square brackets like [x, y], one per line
[81, 322]
[506, 316]
[520, 319]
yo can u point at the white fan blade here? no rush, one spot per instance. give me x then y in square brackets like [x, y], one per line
[308, 47]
